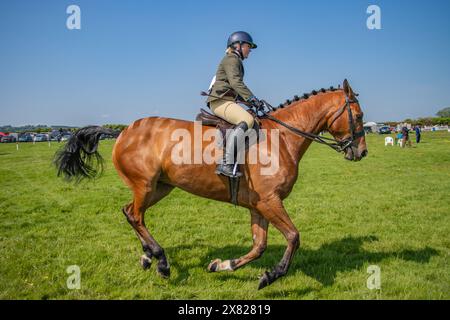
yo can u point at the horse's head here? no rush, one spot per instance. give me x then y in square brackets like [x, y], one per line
[346, 126]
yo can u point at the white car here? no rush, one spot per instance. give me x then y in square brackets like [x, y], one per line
[66, 137]
[40, 137]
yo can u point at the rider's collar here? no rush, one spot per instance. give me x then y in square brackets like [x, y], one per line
[238, 54]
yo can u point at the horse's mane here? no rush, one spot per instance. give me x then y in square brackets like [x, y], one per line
[306, 96]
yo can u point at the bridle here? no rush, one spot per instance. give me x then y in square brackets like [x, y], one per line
[337, 145]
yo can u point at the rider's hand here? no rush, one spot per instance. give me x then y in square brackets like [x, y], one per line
[256, 102]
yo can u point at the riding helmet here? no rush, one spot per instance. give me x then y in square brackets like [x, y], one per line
[240, 37]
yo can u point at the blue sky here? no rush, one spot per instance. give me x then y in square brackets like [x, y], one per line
[133, 59]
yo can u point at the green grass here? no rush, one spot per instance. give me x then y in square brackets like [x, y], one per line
[390, 210]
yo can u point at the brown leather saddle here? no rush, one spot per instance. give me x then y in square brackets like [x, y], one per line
[211, 120]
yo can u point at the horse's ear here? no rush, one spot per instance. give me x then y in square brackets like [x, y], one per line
[348, 90]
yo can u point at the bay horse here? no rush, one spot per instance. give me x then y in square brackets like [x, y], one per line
[142, 158]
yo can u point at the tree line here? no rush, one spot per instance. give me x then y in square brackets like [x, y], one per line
[47, 129]
[442, 119]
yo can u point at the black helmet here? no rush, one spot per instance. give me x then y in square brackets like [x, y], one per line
[240, 37]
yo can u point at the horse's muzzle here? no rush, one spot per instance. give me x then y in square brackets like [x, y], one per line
[352, 154]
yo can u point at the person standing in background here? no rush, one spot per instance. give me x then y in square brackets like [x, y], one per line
[417, 129]
[405, 134]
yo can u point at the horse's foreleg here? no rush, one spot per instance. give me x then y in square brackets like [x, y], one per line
[259, 235]
[275, 213]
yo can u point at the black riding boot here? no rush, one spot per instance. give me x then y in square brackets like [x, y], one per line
[235, 142]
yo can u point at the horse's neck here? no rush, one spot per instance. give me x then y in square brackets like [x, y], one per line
[310, 116]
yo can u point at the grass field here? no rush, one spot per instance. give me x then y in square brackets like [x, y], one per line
[391, 210]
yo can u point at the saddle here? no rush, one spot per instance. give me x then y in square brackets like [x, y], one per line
[211, 120]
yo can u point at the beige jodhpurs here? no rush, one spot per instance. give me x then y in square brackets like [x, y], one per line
[231, 112]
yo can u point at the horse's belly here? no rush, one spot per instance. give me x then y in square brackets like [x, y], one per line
[200, 180]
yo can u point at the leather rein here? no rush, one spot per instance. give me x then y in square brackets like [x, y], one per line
[337, 145]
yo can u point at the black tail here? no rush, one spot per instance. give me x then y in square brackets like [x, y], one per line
[79, 158]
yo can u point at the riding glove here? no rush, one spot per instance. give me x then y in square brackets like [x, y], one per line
[255, 102]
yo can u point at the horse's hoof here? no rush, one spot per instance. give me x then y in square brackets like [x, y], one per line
[163, 271]
[214, 265]
[264, 281]
[146, 262]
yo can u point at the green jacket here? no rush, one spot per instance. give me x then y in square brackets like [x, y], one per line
[229, 80]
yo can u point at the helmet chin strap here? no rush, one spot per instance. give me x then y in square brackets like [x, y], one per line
[239, 51]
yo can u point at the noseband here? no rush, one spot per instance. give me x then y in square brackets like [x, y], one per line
[354, 135]
[338, 145]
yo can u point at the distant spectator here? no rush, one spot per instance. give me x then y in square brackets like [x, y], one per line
[60, 134]
[398, 137]
[417, 129]
[405, 134]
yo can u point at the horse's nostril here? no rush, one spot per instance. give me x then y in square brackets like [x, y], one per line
[364, 153]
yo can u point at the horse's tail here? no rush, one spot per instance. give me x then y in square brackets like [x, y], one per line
[79, 157]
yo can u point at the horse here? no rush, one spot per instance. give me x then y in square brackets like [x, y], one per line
[142, 158]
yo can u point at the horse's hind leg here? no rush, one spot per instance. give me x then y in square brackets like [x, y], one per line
[259, 235]
[134, 212]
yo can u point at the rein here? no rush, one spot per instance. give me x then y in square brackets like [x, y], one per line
[336, 145]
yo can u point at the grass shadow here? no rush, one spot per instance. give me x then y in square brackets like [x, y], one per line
[322, 264]
[347, 254]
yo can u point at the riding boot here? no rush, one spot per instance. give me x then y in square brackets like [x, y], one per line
[235, 142]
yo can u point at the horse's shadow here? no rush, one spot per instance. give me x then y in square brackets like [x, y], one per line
[322, 264]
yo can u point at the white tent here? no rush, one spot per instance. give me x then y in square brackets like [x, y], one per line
[371, 126]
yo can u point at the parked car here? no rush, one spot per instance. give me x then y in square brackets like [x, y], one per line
[26, 138]
[384, 130]
[66, 137]
[6, 139]
[106, 136]
[54, 135]
[41, 137]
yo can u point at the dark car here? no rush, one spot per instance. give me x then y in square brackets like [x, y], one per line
[384, 130]
[26, 138]
[54, 135]
[6, 139]
[106, 136]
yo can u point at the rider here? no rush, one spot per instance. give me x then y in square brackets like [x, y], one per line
[228, 88]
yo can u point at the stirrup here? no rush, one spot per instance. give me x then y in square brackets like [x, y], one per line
[232, 173]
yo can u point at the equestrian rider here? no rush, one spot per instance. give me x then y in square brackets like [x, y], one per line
[228, 88]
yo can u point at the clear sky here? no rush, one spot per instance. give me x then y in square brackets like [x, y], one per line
[136, 58]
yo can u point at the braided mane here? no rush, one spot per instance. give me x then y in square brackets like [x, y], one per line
[306, 96]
